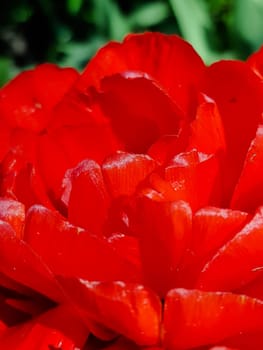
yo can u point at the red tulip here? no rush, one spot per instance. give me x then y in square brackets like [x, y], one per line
[131, 202]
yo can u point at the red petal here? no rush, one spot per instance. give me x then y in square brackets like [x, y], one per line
[253, 289]
[51, 83]
[212, 228]
[139, 110]
[221, 348]
[81, 142]
[65, 319]
[20, 107]
[238, 262]
[88, 200]
[167, 58]
[52, 164]
[32, 306]
[26, 101]
[13, 212]
[255, 61]
[12, 168]
[194, 318]
[21, 181]
[194, 178]
[251, 341]
[167, 146]
[58, 328]
[127, 309]
[164, 229]
[126, 246]
[237, 92]
[248, 192]
[122, 343]
[4, 138]
[123, 172]
[10, 315]
[207, 133]
[71, 251]
[23, 142]
[19, 262]
[12, 285]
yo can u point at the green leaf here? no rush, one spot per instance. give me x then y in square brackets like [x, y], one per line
[195, 23]
[21, 13]
[74, 6]
[149, 14]
[248, 21]
[7, 70]
[77, 54]
[118, 24]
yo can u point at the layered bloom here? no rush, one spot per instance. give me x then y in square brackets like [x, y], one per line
[131, 202]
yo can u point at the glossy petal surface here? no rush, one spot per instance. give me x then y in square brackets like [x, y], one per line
[238, 94]
[194, 318]
[21, 263]
[238, 262]
[71, 251]
[26, 101]
[53, 329]
[13, 212]
[129, 309]
[194, 177]
[86, 181]
[255, 61]
[164, 234]
[123, 172]
[168, 59]
[248, 192]
[133, 103]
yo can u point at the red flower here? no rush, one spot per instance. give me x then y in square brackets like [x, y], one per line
[131, 202]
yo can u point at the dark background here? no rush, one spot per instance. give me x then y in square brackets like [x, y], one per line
[69, 32]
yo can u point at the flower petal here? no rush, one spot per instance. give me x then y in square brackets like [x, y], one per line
[51, 83]
[9, 314]
[13, 212]
[71, 251]
[238, 262]
[194, 177]
[128, 309]
[170, 60]
[58, 328]
[164, 229]
[238, 94]
[212, 228]
[89, 200]
[81, 142]
[255, 61]
[167, 146]
[193, 318]
[248, 192]
[133, 103]
[123, 172]
[21, 181]
[5, 135]
[253, 289]
[207, 132]
[52, 164]
[20, 263]
[215, 226]
[122, 343]
[27, 100]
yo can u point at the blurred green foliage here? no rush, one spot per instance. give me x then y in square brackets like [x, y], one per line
[69, 32]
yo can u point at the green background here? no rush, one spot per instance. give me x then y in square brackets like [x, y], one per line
[69, 32]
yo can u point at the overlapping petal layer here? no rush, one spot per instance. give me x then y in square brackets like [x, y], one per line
[131, 202]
